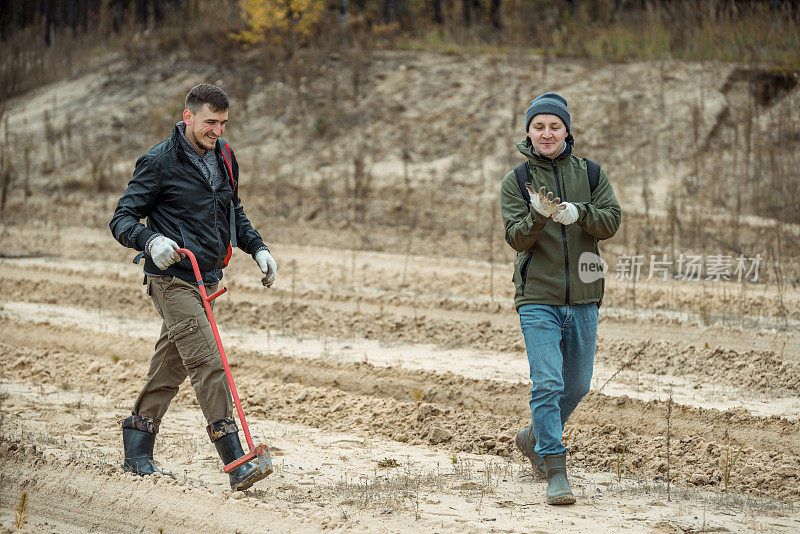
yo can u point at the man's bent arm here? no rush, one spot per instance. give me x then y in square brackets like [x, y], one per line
[247, 238]
[523, 225]
[600, 217]
[136, 204]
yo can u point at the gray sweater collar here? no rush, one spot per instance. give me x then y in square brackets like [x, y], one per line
[185, 141]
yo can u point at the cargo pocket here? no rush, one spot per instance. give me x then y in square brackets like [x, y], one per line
[190, 340]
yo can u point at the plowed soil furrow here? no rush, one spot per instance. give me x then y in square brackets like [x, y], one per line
[762, 370]
[448, 285]
[332, 293]
[75, 496]
[758, 372]
[22, 280]
[400, 384]
[316, 319]
[468, 415]
[329, 481]
[414, 406]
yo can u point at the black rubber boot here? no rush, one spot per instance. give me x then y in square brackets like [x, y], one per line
[525, 442]
[558, 490]
[138, 440]
[229, 449]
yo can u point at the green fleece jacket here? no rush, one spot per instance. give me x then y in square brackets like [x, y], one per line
[546, 270]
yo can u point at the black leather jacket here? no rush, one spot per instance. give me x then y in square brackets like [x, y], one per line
[171, 191]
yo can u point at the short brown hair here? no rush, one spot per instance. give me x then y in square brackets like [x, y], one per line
[206, 93]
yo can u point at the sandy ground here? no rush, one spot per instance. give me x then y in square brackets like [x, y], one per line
[385, 368]
[385, 410]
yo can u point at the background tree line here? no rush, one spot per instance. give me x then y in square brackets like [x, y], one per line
[44, 40]
[85, 15]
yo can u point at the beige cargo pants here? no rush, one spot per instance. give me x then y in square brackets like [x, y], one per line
[186, 347]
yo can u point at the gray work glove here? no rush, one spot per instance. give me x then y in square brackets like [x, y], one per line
[268, 266]
[162, 250]
[568, 215]
[543, 202]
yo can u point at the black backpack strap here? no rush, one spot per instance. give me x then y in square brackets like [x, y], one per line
[523, 176]
[594, 173]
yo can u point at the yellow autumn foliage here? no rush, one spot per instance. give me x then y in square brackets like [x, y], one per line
[277, 19]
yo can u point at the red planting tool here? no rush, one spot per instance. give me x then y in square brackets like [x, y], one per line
[260, 452]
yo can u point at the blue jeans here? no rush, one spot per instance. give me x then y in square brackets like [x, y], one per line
[560, 341]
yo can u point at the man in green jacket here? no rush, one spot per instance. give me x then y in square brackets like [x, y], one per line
[559, 286]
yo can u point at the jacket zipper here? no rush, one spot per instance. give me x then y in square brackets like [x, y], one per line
[523, 272]
[563, 232]
[214, 192]
[213, 197]
[216, 229]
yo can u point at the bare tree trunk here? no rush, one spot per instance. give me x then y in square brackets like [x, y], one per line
[389, 10]
[438, 16]
[494, 14]
[6, 172]
[71, 16]
[50, 22]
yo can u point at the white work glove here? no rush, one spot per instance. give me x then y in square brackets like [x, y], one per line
[162, 250]
[568, 215]
[543, 202]
[268, 266]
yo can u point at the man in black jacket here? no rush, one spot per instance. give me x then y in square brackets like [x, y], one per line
[187, 187]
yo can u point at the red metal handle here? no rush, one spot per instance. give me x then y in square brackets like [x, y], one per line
[217, 293]
[210, 315]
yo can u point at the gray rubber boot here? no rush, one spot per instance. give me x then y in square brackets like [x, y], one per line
[525, 442]
[558, 490]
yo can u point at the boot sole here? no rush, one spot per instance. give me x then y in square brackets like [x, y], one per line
[135, 471]
[127, 469]
[561, 499]
[247, 483]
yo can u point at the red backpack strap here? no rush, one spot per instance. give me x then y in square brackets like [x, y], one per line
[228, 160]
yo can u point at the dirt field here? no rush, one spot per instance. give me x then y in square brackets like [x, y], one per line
[383, 415]
[385, 368]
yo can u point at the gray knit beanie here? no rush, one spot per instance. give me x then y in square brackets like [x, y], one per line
[550, 104]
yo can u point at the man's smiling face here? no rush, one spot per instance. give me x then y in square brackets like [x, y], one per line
[548, 135]
[204, 126]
